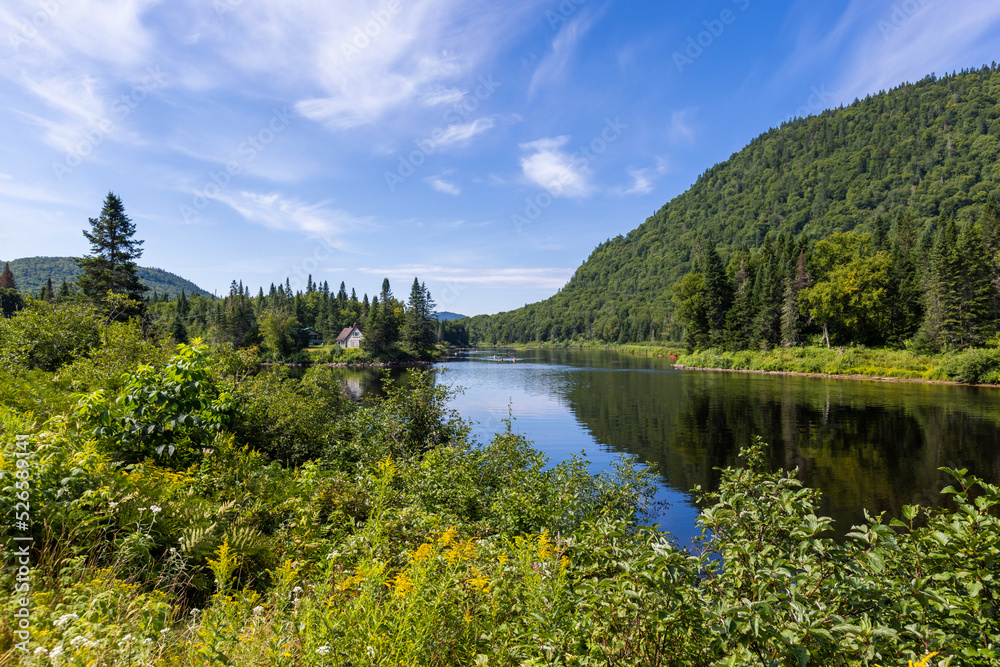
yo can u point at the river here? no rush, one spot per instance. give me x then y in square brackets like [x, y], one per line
[864, 444]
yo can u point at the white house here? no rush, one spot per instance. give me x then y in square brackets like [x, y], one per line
[350, 337]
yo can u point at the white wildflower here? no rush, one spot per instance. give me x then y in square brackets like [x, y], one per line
[258, 610]
[41, 650]
[323, 650]
[56, 652]
[112, 505]
[147, 641]
[66, 618]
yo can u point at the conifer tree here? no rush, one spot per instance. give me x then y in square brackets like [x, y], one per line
[719, 295]
[972, 287]
[7, 278]
[111, 265]
[420, 332]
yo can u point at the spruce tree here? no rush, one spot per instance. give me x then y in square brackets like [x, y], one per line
[7, 278]
[973, 289]
[719, 296]
[420, 332]
[111, 265]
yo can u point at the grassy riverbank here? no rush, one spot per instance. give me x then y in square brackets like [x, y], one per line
[973, 366]
[172, 506]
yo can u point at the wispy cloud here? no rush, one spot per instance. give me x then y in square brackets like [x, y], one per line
[564, 46]
[553, 169]
[877, 46]
[643, 178]
[680, 129]
[444, 186]
[541, 278]
[897, 46]
[361, 72]
[456, 134]
[281, 213]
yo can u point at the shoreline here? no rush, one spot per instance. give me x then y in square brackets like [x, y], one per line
[348, 364]
[835, 376]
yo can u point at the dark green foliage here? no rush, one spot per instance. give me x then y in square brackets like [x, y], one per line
[32, 272]
[45, 336]
[171, 412]
[420, 333]
[111, 267]
[11, 301]
[7, 278]
[915, 152]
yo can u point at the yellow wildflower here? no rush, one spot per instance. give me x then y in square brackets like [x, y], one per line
[402, 584]
[544, 546]
[461, 551]
[479, 582]
[423, 552]
[448, 537]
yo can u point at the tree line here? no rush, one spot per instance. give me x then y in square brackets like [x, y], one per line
[936, 291]
[281, 321]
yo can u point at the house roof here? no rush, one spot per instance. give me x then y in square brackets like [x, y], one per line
[347, 332]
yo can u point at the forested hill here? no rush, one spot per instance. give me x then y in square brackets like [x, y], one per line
[31, 274]
[927, 149]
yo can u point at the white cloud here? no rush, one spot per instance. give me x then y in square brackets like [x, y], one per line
[554, 66]
[280, 213]
[463, 132]
[444, 186]
[680, 126]
[643, 178]
[897, 46]
[360, 63]
[554, 170]
[541, 278]
[442, 96]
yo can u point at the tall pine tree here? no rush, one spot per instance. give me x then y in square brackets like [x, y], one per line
[111, 265]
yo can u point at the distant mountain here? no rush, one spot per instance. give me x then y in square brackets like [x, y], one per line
[30, 273]
[929, 150]
[445, 315]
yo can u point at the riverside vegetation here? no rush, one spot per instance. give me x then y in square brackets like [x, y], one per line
[187, 508]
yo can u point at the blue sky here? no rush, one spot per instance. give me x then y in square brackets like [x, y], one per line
[485, 147]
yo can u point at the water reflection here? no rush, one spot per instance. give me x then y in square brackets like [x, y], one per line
[864, 444]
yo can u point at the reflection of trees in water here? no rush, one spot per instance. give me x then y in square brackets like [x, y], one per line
[863, 444]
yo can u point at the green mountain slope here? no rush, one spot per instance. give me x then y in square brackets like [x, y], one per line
[927, 149]
[30, 273]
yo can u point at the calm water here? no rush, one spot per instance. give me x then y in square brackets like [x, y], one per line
[865, 444]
